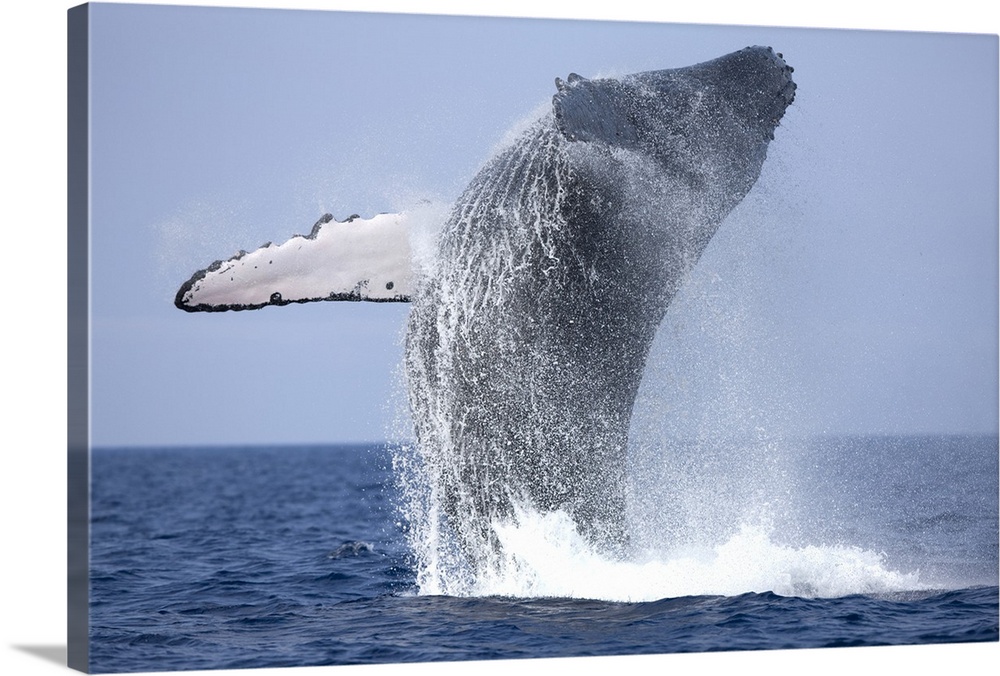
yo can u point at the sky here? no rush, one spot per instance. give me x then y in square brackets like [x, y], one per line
[854, 290]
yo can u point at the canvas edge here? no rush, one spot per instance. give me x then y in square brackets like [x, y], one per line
[78, 339]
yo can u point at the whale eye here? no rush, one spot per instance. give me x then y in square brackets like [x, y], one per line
[388, 286]
[275, 297]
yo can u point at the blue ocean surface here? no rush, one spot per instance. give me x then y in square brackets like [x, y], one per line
[240, 557]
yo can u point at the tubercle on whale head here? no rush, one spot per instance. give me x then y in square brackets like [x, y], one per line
[571, 80]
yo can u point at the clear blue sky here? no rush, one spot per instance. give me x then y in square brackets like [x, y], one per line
[854, 291]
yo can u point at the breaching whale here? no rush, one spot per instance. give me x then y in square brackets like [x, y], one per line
[529, 328]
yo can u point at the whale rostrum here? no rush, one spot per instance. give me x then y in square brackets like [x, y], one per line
[528, 334]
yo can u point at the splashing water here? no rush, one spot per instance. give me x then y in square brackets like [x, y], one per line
[545, 556]
[528, 338]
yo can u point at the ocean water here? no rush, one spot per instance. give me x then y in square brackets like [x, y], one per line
[227, 558]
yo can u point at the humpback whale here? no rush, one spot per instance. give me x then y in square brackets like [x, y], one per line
[530, 327]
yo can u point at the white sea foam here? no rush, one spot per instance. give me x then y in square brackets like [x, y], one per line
[544, 556]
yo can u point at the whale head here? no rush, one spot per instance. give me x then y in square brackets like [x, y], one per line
[706, 125]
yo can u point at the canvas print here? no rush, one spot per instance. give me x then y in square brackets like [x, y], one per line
[427, 338]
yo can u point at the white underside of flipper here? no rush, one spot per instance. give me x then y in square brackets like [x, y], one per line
[357, 259]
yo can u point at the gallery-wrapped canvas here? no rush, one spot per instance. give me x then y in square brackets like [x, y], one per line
[409, 338]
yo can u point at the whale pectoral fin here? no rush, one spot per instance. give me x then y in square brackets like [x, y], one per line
[357, 259]
[593, 110]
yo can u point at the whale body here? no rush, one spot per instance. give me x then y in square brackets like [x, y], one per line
[530, 327]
